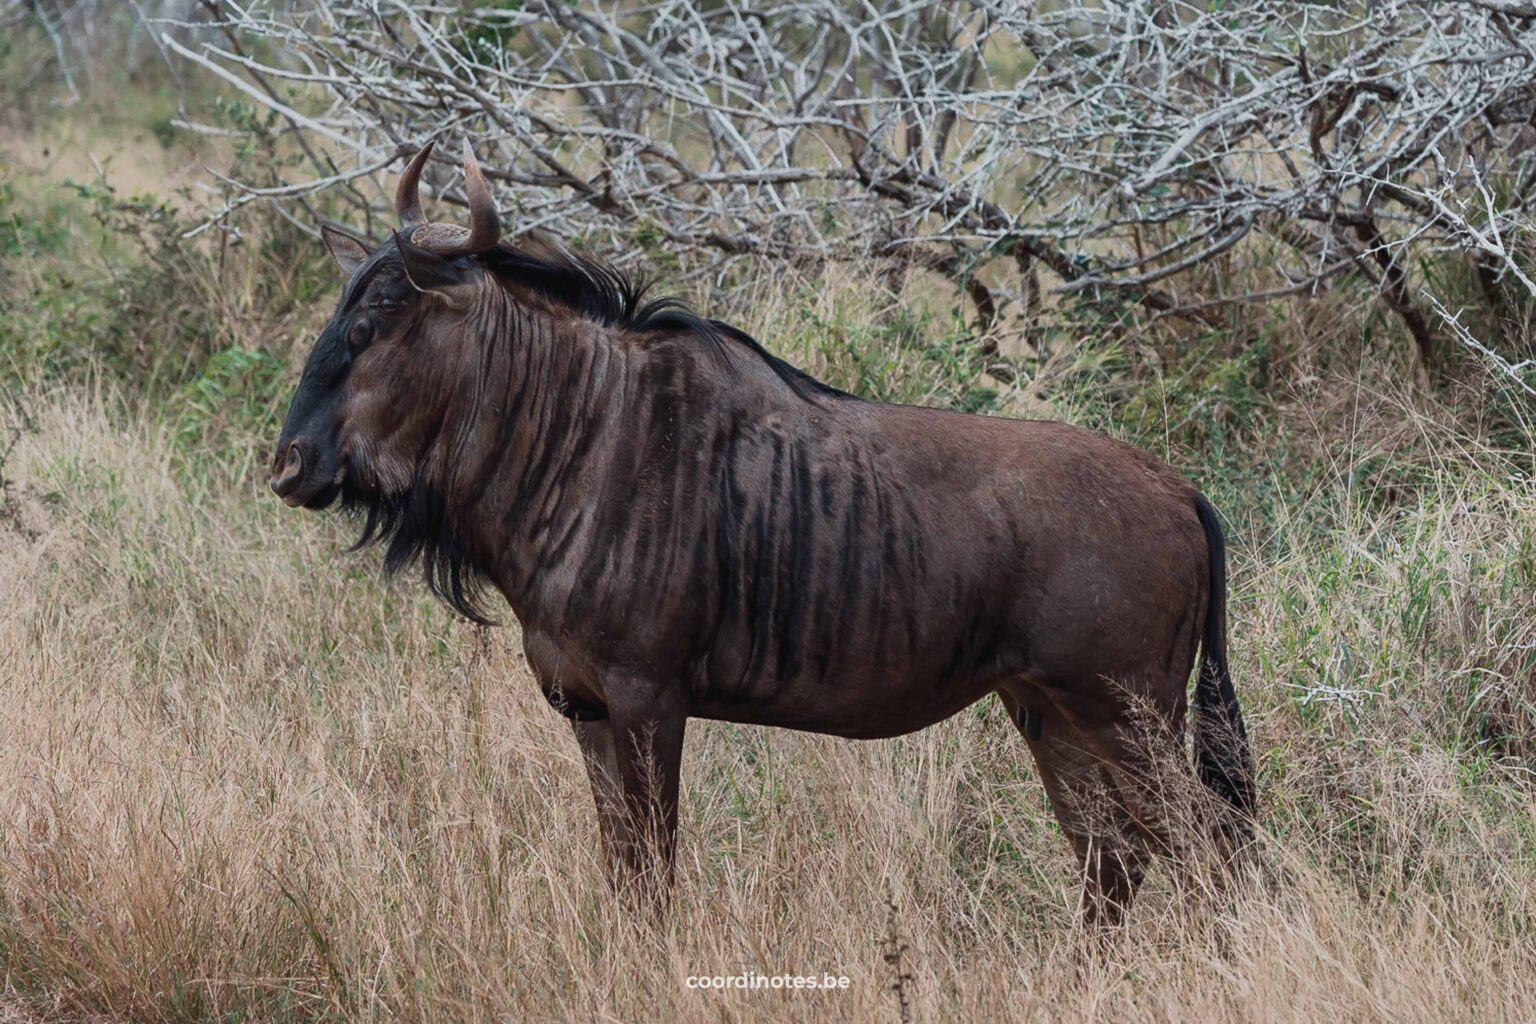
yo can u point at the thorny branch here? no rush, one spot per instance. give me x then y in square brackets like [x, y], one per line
[1119, 147]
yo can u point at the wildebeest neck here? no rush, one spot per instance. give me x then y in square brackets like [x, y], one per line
[545, 426]
[570, 431]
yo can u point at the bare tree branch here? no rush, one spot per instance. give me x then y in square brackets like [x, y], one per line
[1125, 147]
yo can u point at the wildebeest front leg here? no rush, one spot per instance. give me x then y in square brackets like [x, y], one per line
[602, 760]
[642, 751]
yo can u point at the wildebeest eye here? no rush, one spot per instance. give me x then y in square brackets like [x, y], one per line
[360, 334]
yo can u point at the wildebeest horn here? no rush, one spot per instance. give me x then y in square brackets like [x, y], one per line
[449, 239]
[484, 224]
[407, 200]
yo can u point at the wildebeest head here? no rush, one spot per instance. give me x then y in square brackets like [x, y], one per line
[379, 380]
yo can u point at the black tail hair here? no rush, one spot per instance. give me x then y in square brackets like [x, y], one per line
[1222, 756]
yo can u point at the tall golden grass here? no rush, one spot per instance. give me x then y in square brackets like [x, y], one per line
[245, 778]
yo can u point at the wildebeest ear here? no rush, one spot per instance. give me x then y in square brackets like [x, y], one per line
[347, 251]
[425, 269]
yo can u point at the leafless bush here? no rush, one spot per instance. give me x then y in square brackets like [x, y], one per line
[88, 37]
[1019, 148]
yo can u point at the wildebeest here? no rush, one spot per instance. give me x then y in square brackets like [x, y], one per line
[687, 526]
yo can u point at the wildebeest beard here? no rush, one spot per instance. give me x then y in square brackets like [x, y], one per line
[416, 526]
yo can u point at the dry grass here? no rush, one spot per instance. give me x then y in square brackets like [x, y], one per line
[244, 779]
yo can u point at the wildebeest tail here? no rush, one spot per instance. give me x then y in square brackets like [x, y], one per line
[1222, 755]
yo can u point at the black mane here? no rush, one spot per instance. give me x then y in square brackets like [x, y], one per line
[607, 295]
[416, 527]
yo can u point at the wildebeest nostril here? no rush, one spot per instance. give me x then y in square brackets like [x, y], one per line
[287, 476]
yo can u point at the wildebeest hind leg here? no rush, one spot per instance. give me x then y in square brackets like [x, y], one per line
[1135, 731]
[1085, 802]
[1139, 744]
